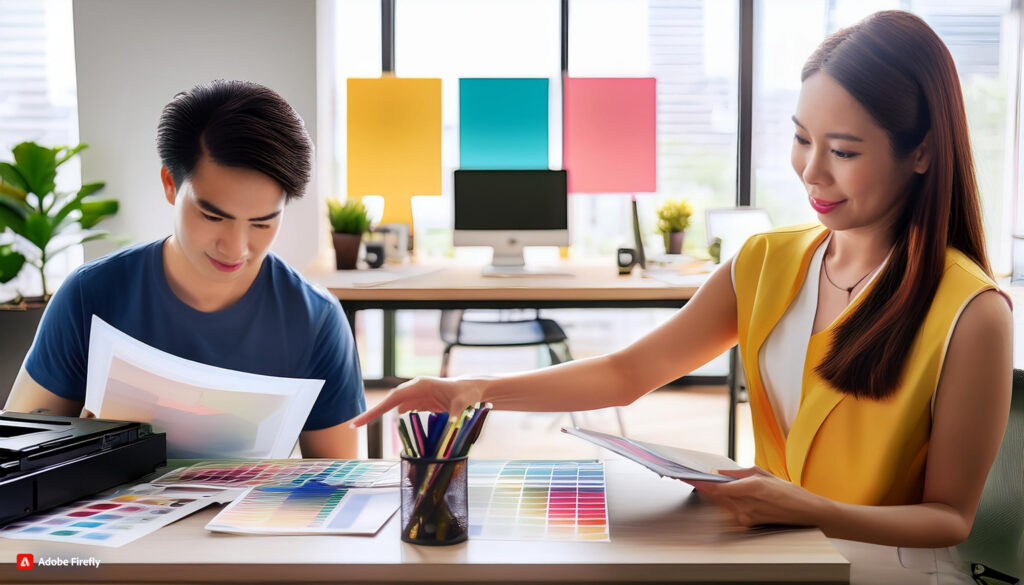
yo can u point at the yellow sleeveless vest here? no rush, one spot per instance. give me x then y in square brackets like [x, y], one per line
[858, 451]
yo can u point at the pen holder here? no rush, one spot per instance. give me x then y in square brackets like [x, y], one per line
[435, 506]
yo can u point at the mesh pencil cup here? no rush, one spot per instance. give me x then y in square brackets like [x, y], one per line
[435, 508]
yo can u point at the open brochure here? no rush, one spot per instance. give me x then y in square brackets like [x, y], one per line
[206, 411]
[664, 460]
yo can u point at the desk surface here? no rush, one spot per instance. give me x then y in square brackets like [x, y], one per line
[665, 535]
[453, 282]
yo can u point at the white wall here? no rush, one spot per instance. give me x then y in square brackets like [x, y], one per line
[133, 56]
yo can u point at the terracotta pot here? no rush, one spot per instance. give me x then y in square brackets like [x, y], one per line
[346, 250]
[674, 242]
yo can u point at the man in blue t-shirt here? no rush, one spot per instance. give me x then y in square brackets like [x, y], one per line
[233, 154]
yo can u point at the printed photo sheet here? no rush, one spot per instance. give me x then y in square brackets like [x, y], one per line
[206, 411]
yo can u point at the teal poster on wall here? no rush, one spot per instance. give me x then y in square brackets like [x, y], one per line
[503, 123]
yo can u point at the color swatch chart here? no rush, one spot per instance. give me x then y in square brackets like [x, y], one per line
[538, 500]
[286, 472]
[312, 508]
[118, 518]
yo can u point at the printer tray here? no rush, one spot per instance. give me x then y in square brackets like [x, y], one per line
[65, 482]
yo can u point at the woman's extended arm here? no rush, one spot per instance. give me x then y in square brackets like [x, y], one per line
[971, 409]
[701, 330]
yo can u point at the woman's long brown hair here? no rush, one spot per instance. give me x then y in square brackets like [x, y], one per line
[900, 71]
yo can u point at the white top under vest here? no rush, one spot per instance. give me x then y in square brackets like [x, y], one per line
[784, 353]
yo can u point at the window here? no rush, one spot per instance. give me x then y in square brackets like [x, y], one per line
[690, 46]
[38, 102]
[451, 39]
[976, 32]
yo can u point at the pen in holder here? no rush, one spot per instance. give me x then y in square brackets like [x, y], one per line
[435, 508]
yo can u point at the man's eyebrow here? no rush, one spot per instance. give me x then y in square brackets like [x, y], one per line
[207, 206]
[266, 217]
[836, 135]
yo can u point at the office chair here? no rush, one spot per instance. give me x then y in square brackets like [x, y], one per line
[995, 547]
[458, 331]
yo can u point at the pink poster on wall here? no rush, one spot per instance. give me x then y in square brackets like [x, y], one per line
[610, 135]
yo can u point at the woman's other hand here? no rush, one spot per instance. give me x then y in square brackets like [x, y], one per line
[758, 497]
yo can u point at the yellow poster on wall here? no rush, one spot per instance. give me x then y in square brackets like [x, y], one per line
[394, 142]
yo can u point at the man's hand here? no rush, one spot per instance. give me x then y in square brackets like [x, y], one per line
[427, 394]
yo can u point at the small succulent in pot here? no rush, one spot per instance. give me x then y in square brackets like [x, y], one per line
[349, 221]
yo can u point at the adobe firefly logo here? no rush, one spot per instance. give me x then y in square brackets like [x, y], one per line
[26, 562]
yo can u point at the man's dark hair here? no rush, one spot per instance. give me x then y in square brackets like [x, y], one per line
[238, 124]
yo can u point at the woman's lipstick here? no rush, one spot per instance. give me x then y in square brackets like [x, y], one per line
[822, 206]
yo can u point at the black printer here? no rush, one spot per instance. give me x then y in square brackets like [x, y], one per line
[47, 460]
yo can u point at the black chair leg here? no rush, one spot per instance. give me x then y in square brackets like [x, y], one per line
[733, 384]
[445, 359]
[568, 354]
[555, 359]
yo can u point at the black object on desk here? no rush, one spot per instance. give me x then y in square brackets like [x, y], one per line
[626, 258]
[374, 254]
[48, 460]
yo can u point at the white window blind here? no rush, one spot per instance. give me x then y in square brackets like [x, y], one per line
[38, 102]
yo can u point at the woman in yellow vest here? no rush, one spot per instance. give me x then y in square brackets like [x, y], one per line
[876, 346]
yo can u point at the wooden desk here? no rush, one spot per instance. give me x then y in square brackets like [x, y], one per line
[659, 533]
[447, 284]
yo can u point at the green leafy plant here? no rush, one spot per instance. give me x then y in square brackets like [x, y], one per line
[349, 217]
[674, 216]
[41, 218]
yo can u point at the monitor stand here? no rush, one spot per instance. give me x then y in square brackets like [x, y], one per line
[509, 262]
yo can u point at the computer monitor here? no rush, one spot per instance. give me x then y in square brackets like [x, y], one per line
[508, 210]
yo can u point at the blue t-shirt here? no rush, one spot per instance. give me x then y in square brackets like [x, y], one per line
[282, 326]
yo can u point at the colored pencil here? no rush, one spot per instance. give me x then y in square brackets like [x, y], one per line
[417, 431]
[403, 435]
[477, 429]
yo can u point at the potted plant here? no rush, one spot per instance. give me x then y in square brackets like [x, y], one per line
[349, 221]
[42, 221]
[673, 219]
[37, 223]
